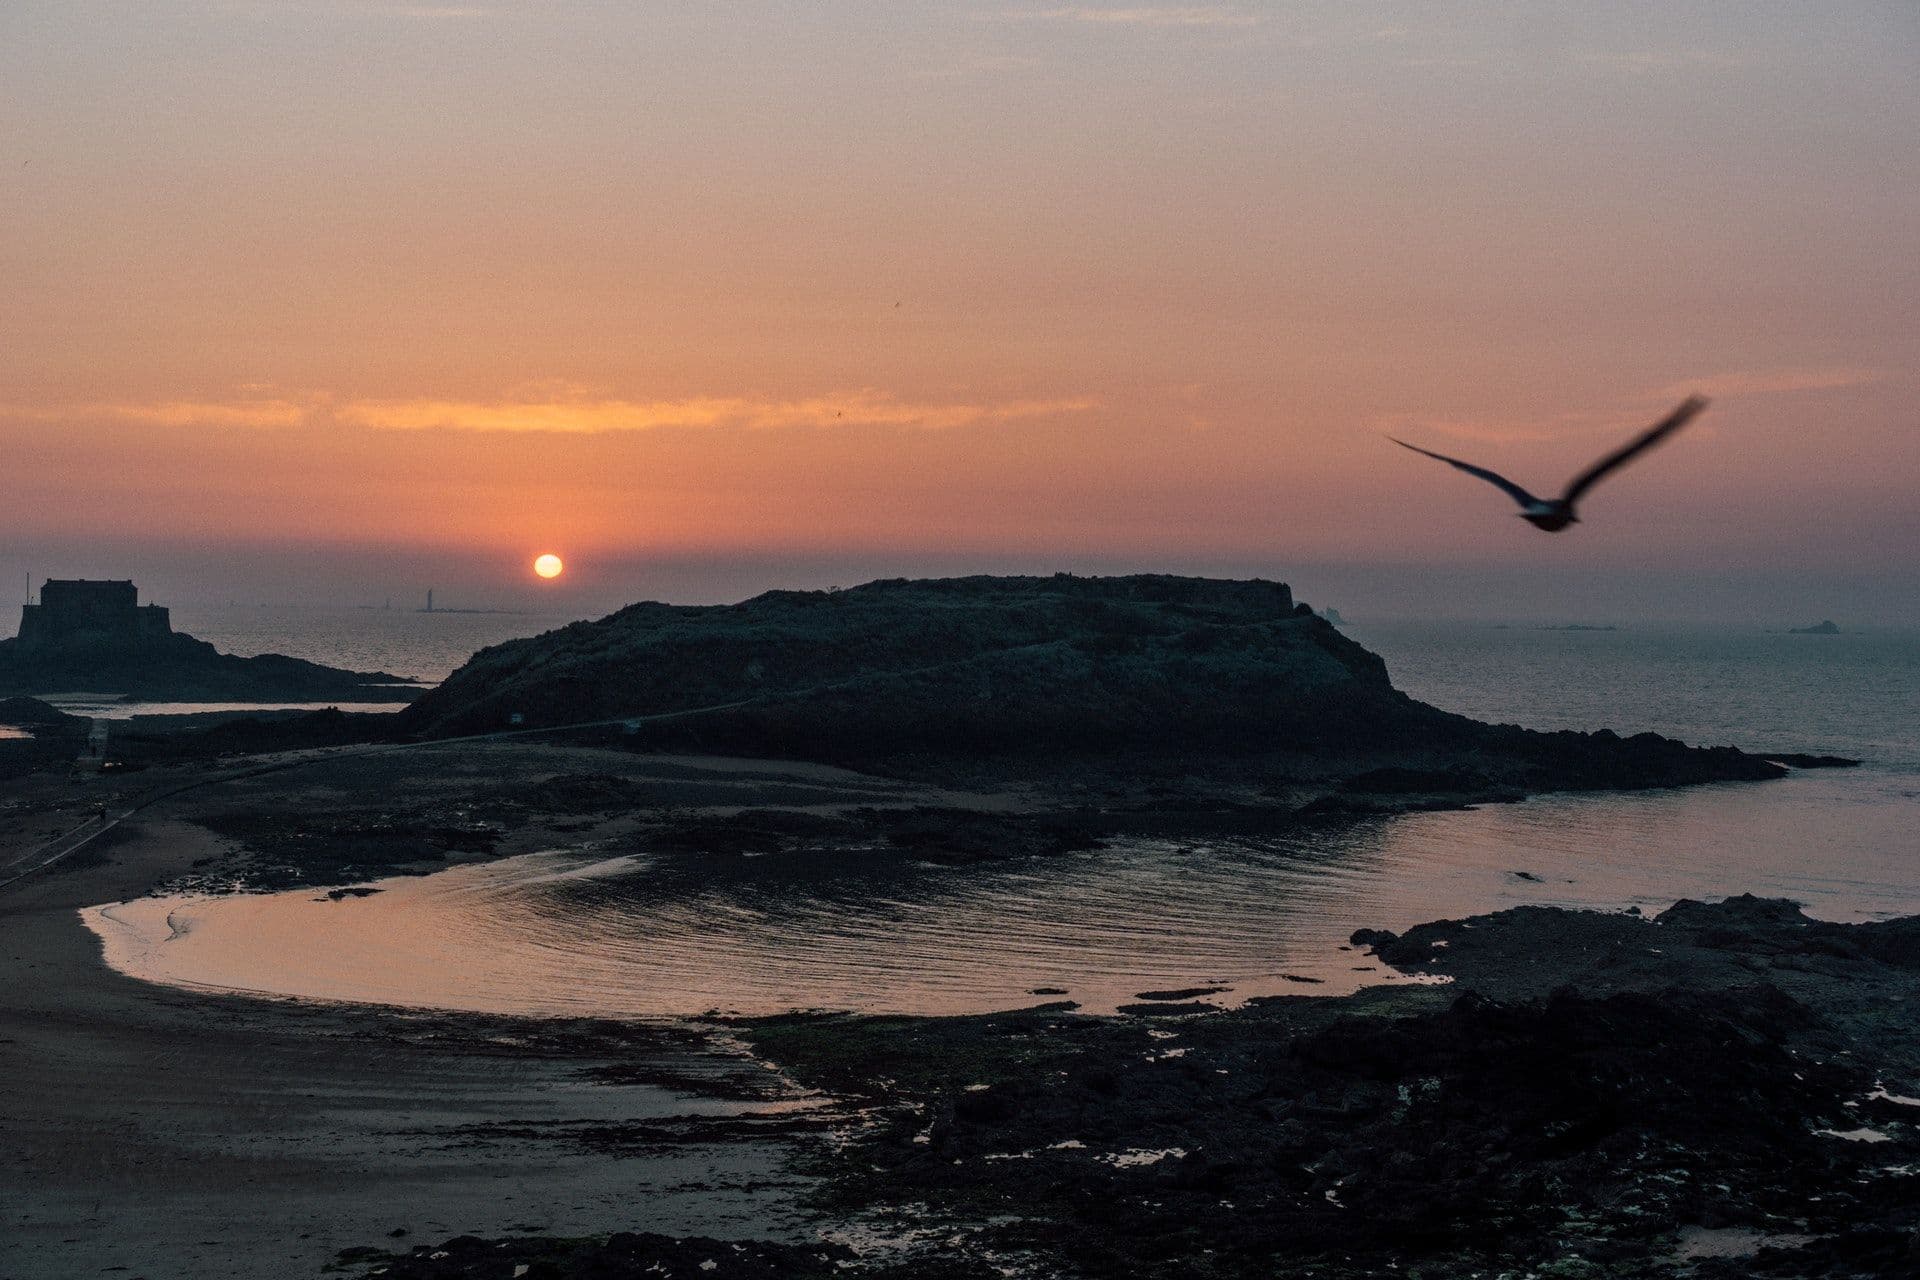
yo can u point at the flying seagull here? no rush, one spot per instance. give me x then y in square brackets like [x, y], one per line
[1555, 514]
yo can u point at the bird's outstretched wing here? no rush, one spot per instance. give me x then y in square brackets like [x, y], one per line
[1652, 436]
[1513, 490]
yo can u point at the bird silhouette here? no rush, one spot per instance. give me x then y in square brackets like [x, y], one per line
[1555, 514]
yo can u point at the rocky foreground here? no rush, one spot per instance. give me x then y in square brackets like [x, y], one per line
[1721, 1091]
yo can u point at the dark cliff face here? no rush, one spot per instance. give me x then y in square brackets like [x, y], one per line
[966, 664]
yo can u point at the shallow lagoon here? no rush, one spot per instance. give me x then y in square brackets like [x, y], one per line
[577, 931]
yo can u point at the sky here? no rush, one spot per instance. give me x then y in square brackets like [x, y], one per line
[336, 300]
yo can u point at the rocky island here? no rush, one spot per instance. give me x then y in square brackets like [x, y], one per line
[1230, 692]
[1712, 1092]
[96, 636]
[1073, 710]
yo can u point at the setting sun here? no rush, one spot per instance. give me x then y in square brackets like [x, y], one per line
[548, 565]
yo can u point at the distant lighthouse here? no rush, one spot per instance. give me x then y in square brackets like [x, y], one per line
[429, 599]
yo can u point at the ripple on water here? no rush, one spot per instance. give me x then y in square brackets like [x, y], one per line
[575, 932]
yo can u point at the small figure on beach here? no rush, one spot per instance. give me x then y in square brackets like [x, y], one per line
[1555, 514]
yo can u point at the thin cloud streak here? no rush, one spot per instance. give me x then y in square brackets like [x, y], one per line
[1774, 381]
[1561, 426]
[1717, 386]
[866, 407]
[968, 68]
[1646, 61]
[375, 10]
[172, 413]
[1188, 16]
[1495, 431]
[564, 414]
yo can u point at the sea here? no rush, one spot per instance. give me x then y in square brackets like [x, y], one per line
[589, 930]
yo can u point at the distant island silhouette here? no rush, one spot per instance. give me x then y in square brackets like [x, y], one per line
[1826, 628]
[95, 635]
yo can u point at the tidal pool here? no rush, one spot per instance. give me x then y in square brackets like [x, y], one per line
[580, 932]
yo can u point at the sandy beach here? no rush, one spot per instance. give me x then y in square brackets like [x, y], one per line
[173, 1133]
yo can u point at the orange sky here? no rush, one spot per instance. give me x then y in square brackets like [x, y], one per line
[431, 287]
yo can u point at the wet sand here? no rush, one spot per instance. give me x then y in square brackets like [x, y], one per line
[174, 1133]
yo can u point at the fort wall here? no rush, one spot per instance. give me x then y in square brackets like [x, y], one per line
[80, 612]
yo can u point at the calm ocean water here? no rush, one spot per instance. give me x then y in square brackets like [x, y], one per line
[575, 931]
[1853, 694]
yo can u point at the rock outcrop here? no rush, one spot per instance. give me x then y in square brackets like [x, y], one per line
[1184, 674]
[39, 717]
[966, 664]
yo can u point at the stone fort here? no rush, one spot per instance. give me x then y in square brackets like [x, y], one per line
[78, 612]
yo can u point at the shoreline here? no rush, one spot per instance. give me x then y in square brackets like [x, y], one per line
[1258, 917]
[210, 1134]
[1720, 1092]
[221, 1134]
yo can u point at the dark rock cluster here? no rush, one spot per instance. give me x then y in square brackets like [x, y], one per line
[282, 850]
[1725, 1090]
[626, 1255]
[1736, 1071]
